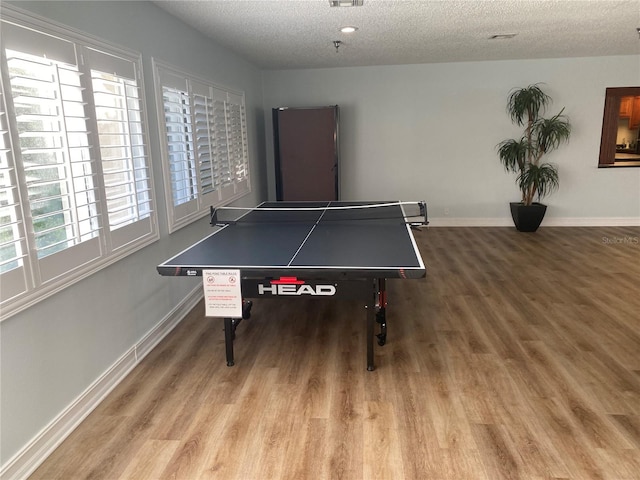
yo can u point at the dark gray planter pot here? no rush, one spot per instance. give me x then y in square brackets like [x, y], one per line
[527, 218]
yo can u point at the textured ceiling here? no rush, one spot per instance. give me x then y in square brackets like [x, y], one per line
[291, 34]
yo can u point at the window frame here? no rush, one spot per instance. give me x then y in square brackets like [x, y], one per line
[197, 207]
[610, 119]
[112, 243]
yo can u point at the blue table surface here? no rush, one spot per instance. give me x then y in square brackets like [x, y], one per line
[356, 240]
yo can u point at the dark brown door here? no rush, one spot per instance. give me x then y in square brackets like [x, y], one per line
[306, 153]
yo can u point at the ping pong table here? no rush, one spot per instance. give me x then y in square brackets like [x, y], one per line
[338, 249]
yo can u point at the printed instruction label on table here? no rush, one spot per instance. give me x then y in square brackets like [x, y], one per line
[222, 293]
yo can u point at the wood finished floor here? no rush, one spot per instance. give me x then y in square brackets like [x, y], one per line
[517, 357]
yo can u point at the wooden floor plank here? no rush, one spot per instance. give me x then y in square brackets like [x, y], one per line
[382, 457]
[515, 358]
[151, 460]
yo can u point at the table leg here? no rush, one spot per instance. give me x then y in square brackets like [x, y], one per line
[371, 320]
[229, 329]
[381, 314]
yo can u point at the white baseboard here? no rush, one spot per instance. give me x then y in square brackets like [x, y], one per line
[547, 222]
[31, 456]
[470, 222]
[592, 222]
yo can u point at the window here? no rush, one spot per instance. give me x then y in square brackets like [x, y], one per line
[75, 180]
[205, 154]
[620, 140]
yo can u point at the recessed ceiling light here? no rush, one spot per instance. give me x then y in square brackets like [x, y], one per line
[348, 29]
[502, 36]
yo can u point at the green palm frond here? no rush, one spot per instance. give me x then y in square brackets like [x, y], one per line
[513, 154]
[538, 180]
[551, 132]
[527, 103]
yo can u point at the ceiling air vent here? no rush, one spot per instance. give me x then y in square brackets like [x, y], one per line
[345, 3]
[502, 36]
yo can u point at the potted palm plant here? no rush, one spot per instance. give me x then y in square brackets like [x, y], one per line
[535, 178]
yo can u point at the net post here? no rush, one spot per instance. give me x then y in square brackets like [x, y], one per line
[213, 216]
[423, 211]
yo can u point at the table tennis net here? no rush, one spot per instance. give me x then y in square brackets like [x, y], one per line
[413, 213]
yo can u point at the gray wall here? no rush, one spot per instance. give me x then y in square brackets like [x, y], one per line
[429, 132]
[53, 351]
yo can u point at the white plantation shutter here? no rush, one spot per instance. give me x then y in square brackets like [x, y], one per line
[123, 152]
[180, 145]
[37, 43]
[57, 169]
[14, 260]
[75, 180]
[221, 137]
[203, 115]
[237, 121]
[204, 146]
[205, 156]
